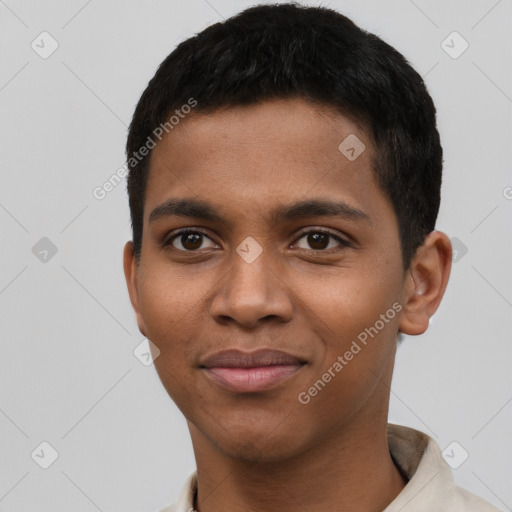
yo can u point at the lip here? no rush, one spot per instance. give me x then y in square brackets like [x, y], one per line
[246, 372]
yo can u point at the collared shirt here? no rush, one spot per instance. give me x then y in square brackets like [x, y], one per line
[430, 486]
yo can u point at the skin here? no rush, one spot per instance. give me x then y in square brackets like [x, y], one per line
[267, 450]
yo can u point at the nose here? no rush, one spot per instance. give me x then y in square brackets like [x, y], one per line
[251, 293]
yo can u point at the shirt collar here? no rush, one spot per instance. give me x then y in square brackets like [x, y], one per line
[430, 486]
[430, 480]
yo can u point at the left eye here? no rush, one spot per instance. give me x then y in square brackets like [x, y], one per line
[319, 240]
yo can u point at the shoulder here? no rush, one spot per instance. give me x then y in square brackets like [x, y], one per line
[465, 501]
[430, 486]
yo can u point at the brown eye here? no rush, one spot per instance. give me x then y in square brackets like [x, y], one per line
[318, 240]
[190, 240]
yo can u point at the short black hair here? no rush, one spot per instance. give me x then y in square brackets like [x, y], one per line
[314, 53]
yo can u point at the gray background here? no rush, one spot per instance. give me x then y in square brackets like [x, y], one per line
[68, 373]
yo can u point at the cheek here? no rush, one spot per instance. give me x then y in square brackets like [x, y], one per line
[169, 309]
[356, 318]
[167, 299]
[341, 305]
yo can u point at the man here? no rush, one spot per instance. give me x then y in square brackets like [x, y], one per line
[285, 174]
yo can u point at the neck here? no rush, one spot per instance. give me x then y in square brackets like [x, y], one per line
[352, 470]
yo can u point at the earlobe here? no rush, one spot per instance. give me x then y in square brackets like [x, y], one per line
[425, 283]
[130, 274]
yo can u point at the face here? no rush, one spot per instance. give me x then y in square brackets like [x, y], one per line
[291, 247]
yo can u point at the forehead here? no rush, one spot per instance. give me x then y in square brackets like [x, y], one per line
[250, 157]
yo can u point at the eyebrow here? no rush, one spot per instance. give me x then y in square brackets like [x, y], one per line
[193, 208]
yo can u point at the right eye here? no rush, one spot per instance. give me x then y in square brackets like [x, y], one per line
[189, 239]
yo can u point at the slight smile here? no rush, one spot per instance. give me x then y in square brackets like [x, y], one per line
[246, 372]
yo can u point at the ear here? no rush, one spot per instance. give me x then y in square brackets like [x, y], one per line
[425, 283]
[131, 271]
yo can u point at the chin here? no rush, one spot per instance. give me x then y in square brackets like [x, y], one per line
[253, 449]
[253, 442]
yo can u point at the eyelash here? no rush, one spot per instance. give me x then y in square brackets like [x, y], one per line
[187, 231]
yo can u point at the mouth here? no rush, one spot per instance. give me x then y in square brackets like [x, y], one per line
[246, 372]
